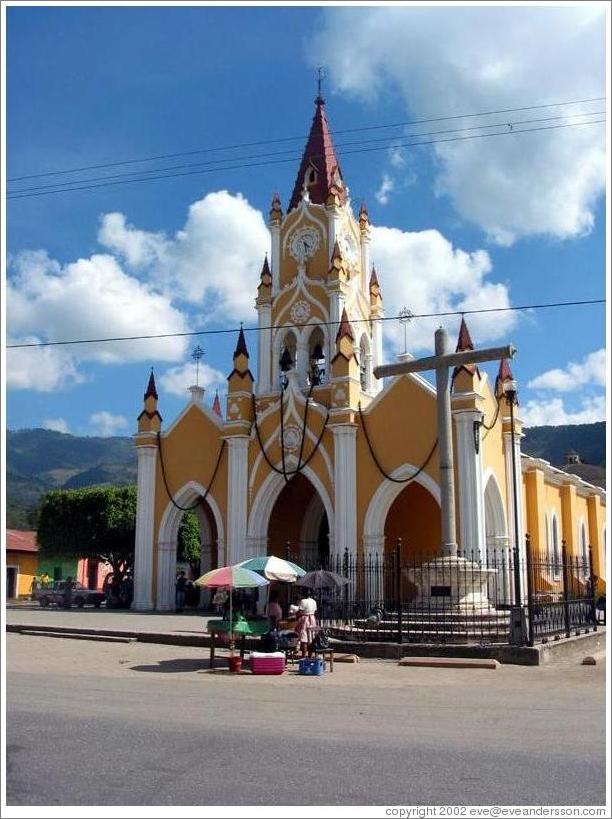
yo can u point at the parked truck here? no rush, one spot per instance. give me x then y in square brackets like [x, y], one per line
[80, 595]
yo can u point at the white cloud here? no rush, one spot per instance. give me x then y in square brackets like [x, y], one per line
[397, 157]
[591, 370]
[387, 186]
[137, 247]
[107, 424]
[456, 60]
[91, 298]
[56, 425]
[40, 369]
[177, 380]
[215, 257]
[553, 412]
[423, 271]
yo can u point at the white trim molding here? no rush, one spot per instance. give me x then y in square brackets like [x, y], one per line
[468, 475]
[345, 488]
[237, 497]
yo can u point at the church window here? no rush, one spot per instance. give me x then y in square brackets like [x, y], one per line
[311, 177]
[556, 556]
[287, 360]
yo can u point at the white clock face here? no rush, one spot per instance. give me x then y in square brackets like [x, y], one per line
[304, 244]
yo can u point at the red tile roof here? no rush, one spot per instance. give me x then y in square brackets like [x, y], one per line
[18, 541]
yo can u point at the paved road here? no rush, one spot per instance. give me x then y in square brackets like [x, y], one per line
[138, 724]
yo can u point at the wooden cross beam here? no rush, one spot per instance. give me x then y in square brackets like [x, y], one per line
[441, 362]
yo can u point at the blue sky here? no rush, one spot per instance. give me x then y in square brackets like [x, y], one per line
[507, 220]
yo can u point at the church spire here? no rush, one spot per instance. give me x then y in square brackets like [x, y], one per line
[465, 343]
[149, 419]
[319, 169]
[151, 388]
[216, 407]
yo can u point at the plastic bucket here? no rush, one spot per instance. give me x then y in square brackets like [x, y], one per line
[235, 664]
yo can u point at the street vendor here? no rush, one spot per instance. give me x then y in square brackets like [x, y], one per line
[306, 621]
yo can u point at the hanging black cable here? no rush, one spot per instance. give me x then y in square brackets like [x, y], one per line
[301, 466]
[377, 462]
[201, 498]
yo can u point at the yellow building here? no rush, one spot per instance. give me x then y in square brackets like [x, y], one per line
[319, 453]
[21, 563]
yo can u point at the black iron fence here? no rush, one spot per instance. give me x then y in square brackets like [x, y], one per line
[427, 599]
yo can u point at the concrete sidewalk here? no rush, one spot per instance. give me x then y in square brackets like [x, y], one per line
[178, 629]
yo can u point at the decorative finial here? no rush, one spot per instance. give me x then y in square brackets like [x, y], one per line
[405, 316]
[197, 355]
[320, 75]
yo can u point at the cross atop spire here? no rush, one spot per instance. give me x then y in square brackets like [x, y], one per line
[319, 168]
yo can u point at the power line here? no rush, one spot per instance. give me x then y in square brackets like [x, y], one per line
[78, 187]
[393, 143]
[234, 330]
[279, 140]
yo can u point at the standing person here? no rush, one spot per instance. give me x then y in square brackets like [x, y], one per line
[220, 599]
[181, 590]
[45, 580]
[306, 621]
[67, 593]
[273, 610]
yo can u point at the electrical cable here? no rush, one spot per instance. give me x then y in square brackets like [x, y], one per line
[79, 187]
[233, 330]
[279, 140]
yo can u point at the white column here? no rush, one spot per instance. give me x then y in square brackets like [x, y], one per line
[332, 229]
[237, 486]
[519, 501]
[302, 361]
[336, 306]
[468, 474]
[143, 547]
[377, 348]
[275, 256]
[345, 488]
[166, 575]
[264, 349]
[365, 262]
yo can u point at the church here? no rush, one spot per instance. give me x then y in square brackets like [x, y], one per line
[313, 453]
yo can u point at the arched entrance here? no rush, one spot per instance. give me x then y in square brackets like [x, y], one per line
[410, 511]
[299, 521]
[211, 541]
[498, 555]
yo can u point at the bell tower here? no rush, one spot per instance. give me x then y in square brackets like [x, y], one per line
[319, 269]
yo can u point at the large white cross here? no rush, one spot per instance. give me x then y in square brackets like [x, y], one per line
[441, 362]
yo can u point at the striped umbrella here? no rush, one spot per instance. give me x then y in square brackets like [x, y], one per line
[274, 568]
[232, 577]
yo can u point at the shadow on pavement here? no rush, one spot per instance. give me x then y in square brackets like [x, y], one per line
[176, 666]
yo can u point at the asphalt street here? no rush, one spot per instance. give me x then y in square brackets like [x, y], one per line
[137, 724]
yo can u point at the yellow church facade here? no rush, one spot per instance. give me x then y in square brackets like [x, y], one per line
[316, 452]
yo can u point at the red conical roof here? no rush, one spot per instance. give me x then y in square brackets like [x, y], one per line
[319, 155]
[373, 278]
[216, 407]
[265, 270]
[151, 388]
[464, 342]
[345, 328]
[505, 373]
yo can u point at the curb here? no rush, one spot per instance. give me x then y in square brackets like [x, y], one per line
[448, 662]
[98, 638]
[567, 648]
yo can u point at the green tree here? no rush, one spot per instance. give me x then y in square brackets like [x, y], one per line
[189, 547]
[98, 522]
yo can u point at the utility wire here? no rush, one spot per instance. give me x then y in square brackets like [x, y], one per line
[393, 143]
[279, 140]
[234, 330]
[79, 187]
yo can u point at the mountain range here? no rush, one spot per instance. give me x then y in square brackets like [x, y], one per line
[38, 460]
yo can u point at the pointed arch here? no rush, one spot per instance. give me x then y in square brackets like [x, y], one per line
[383, 498]
[167, 538]
[496, 528]
[263, 504]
